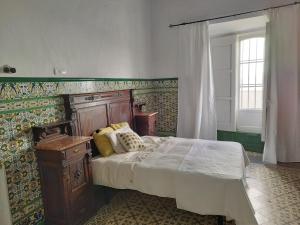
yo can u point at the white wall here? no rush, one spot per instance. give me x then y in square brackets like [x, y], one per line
[104, 38]
[165, 12]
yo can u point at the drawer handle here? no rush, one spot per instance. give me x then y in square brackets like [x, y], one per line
[77, 174]
[76, 150]
[90, 98]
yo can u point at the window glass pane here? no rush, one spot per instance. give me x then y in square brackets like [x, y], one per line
[260, 48]
[252, 73]
[252, 98]
[241, 98]
[245, 50]
[259, 97]
[244, 73]
[253, 48]
[244, 97]
[259, 73]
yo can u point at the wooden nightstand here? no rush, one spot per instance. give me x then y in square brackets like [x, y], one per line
[66, 179]
[145, 123]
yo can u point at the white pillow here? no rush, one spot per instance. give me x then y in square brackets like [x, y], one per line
[131, 141]
[112, 136]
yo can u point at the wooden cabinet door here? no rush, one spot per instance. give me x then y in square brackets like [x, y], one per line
[80, 189]
[92, 118]
[53, 191]
[120, 112]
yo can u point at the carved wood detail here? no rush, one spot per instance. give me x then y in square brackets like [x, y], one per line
[89, 112]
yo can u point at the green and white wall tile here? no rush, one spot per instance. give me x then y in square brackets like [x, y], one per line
[164, 101]
[25, 102]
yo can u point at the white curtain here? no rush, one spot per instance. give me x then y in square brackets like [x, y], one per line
[282, 80]
[196, 99]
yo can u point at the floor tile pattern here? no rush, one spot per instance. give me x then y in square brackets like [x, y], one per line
[274, 192]
[134, 208]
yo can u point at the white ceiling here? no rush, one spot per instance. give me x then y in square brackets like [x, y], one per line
[238, 26]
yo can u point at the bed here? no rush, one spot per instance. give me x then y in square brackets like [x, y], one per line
[204, 177]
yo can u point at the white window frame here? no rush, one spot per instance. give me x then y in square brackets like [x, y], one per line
[228, 40]
[241, 37]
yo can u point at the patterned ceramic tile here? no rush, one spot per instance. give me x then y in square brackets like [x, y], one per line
[130, 207]
[134, 208]
[21, 104]
[26, 104]
[163, 101]
[20, 162]
[277, 194]
[13, 90]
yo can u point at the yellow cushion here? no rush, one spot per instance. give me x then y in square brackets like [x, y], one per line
[117, 126]
[131, 141]
[102, 142]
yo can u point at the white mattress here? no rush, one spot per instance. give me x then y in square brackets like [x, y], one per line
[115, 171]
[205, 177]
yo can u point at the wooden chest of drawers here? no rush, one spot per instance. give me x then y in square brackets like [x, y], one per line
[66, 180]
[145, 123]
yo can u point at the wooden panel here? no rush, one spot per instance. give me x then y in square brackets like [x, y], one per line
[223, 58]
[62, 143]
[223, 83]
[66, 179]
[90, 112]
[120, 112]
[78, 175]
[223, 112]
[92, 118]
[52, 194]
[98, 96]
[146, 123]
[76, 151]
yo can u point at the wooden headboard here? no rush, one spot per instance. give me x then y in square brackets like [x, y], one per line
[89, 112]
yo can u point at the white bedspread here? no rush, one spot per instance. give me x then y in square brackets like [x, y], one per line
[205, 177]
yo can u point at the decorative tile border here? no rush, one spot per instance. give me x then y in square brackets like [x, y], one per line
[19, 89]
[19, 105]
[77, 79]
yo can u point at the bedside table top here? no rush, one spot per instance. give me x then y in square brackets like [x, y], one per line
[62, 143]
[145, 113]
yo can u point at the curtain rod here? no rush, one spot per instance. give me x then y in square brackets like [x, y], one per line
[228, 16]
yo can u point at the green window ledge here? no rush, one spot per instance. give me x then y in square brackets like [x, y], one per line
[251, 141]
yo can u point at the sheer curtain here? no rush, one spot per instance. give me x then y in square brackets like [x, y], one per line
[282, 80]
[196, 99]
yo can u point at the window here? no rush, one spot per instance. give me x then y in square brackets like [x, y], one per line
[251, 66]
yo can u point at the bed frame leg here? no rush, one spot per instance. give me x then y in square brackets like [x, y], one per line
[221, 220]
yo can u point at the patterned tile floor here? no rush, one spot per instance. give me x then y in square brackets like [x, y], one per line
[273, 190]
[275, 194]
[134, 208]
